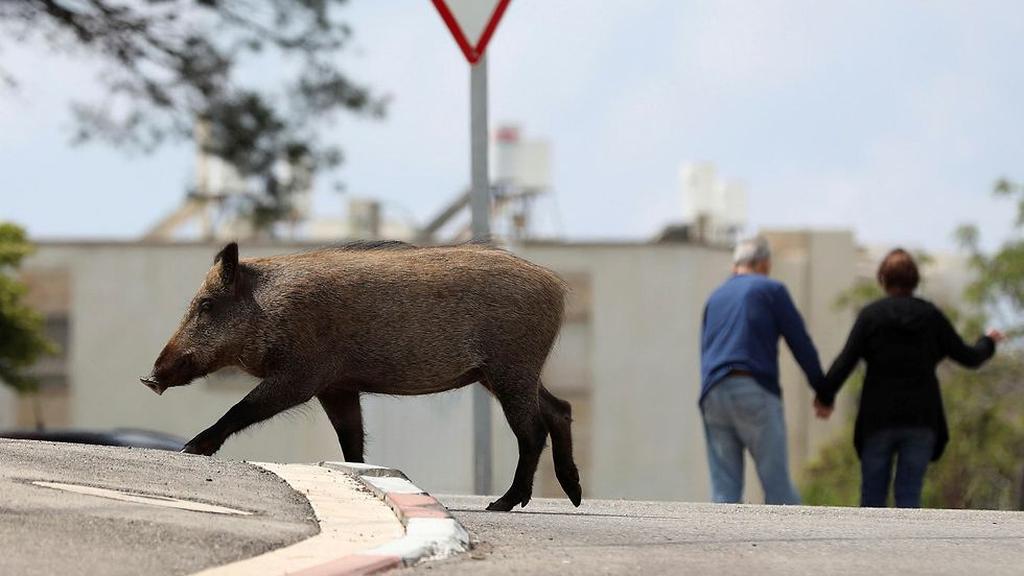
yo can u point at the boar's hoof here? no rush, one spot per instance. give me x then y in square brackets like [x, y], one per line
[200, 447]
[190, 449]
[500, 506]
[507, 503]
[576, 496]
[571, 484]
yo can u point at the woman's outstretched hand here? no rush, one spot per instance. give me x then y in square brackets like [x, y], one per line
[822, 411]
[995, 335]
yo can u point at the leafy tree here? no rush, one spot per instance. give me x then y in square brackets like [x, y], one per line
[982, 465]
[999, 285]
[21, 329]
[171, 63]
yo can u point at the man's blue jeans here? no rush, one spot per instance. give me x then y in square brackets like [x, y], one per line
[912, 449]
[739, 413]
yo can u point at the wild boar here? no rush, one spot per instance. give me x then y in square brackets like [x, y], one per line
[379, 318]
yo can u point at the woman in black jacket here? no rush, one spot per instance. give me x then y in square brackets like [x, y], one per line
[901, 338]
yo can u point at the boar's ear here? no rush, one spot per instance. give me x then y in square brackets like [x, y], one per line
[228, 258]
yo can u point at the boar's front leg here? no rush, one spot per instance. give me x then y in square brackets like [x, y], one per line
[346, 415]
[269, 398]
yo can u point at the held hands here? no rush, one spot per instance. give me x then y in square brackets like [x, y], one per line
[821, 411]
[996, 335]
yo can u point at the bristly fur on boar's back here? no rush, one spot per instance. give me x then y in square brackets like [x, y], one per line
[391, 256]
[479, 275]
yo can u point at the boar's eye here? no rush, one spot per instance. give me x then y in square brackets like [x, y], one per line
[204, 305]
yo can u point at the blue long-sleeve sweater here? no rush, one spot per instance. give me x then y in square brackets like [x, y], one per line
[743, 321]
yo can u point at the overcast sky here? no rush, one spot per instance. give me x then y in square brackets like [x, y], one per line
[891, 118]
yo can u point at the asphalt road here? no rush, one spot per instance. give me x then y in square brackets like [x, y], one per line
[48, 531]
[621, 537]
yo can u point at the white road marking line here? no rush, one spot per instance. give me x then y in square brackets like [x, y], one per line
[140, 499]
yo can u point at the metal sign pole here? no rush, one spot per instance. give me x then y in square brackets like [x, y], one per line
[480, 205]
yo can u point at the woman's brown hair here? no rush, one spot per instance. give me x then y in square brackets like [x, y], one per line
[898, 273]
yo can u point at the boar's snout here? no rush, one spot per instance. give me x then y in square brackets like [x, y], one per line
[152, 384]
[172, 368]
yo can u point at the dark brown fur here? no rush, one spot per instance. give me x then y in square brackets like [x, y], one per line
[379, 317]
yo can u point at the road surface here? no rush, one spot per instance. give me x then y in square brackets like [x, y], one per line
[620, 537]
[56, 518]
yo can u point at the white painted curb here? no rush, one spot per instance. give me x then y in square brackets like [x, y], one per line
[430, 532]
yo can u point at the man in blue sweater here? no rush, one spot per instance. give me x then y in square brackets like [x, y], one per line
[741, 400]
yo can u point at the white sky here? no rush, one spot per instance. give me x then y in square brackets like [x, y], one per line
[892, 118]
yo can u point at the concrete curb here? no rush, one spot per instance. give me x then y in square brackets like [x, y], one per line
[351, 520]
[431, 533]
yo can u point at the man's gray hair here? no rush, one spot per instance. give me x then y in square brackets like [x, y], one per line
[751, 251]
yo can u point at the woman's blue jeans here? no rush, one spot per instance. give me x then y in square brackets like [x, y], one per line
[911, 448]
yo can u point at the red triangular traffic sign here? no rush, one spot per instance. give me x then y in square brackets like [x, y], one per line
[472, 23]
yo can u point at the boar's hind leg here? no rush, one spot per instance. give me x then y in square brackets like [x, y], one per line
[269, 398]
[518, 397]
[558, 418]
[342, 407]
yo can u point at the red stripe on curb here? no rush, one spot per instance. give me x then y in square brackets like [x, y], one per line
[418, 506]
[354, 565]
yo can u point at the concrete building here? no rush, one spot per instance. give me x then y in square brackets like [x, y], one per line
[627, 358]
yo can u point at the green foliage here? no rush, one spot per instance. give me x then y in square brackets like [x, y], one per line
[171, 63]
[981, 468]
[21, 329]
[832, 478]
[862, 293]
[999, 282]
[982, 465]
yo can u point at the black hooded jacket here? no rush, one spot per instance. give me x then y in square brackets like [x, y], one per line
[902, 339]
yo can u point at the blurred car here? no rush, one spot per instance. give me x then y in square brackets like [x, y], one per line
[128, 437]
